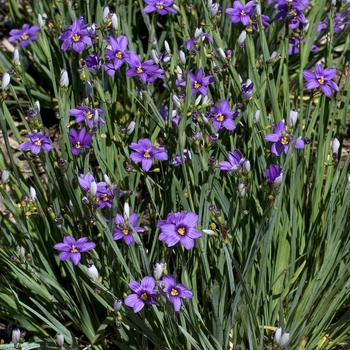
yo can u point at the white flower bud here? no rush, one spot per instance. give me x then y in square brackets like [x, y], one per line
[37, 105]
[93, 188]
[335, 146]
[246, 166]
[292, 118]
[277, 335]
[16, 335]
[198, 32]
[182, 57]
[22, 252]
[5, 81]
[208, 232]
[176, 8]
[16, 60]
[32, 193]
[205, 99]
[257, 9]
[41, 21]
[64, 80]
[5, 176]
[198, 100]
[284, 339]
[278, 179]
[154, 56]
[114, 21]
[158, 270]
[131, 127]
[105, 14]
[60, 339]
[117, 305]
[256, 116]
[209, 3]
[214, 9]
[154, 43]
[93, 271]
[176, 101]
[242, 189]
[126, 211]
[96, 117]
[88, 89]
[167, 47]
[222, 53]
[241, 39]
[107, 180]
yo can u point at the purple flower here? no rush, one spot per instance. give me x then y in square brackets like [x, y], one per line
[235, 163]
[223, 116]
[124, 227]
[71, 248]
[187, 156]
[179, 227]
[145, 293]
[145, 153]
[241, 13]
[295, 46]
[247, 90]
[76, 35]
[175, 291]
[93, 62]
[80, 139]
[281, 139]
[86, 115]
[37, 143]
[116, 54]
[321, 79]
[147, 71]
[198, 83]
[24, 35]
[198, 38]
[161, 6]
[274, 174]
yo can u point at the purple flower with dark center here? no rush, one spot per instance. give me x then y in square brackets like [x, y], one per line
[281, 139]
[91, 117]
[161, 6]
[235, 161]
[37, 143]
[223, 116]
[24, 35]
[295, 46]
[144, 294]
[321, 79]
[80, 139]
[75, 35]
[116, 54]
[274, 174]
[175, 291]
[72, 249]
[241, 13]
[93, 62]
[179, 227]
[198, 83]
[146, 70]
[145, 153]
[124, 227]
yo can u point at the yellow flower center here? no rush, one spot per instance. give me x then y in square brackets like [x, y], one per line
[139, 70]
[25, 36]
[38, 142]
[76, 37]
[146, 154]
[74, 249]
[174, 292]
[285, 140]
[220, 118]
[125, 231]
[89, 115]
[77, 145]
[242, 13]
[104, 197]
[159, 6]
[181, 231]
[196, 85]
[321, 80]
[119, 55]
[144, 296]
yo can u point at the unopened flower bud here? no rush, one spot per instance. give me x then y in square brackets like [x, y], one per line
[176, 101]
[93, 188]
[88, 89]
[131, 127]
[198, 33]
[246, 166]
[16, 335]
[256, 116]
[154, 56]
[292, 118]
[117, 305]
[126, 210]
[208, 232]
[167, 47]
[247, 90]
[32, 194]
[105, 14]
[37, 105]
[5, 81]
[335, 146]
[16, 60]
[5, 176]
[222, 53]
[60, 339]
[93, 271]
[41, 21]
[64, 80]
[107, 180]
[214, 9]
[22, 252]
[241, 39]
[182, 57]
[242, 189]
[158, 270]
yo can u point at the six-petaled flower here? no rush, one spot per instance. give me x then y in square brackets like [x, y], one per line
[241, 13]
[80, 139]
[91, 117]
[76, 36]
[160, 6]
[235, 161]
[145, 153]
[199, 83]
[223, 116]
[72, 249]
[124, 227]
[24, 35]
[175, 291]
[144, 294]
[37, 142]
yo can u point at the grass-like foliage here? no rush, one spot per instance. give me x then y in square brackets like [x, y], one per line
[178, 179]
